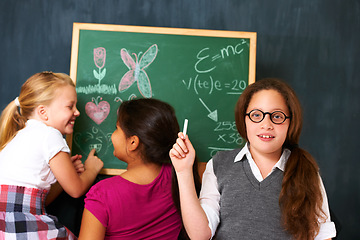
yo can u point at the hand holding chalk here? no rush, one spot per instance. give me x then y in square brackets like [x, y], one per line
[185, 127]
[182, 153]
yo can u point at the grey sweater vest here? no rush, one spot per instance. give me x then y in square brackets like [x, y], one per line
[249, 209]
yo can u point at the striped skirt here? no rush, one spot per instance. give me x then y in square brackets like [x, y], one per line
[23, 216]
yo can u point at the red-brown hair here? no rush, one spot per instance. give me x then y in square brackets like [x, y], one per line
[300, 197]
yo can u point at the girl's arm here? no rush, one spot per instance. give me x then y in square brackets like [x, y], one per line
[91, 227]
[56, 188]
[195, 221]
[65, 173]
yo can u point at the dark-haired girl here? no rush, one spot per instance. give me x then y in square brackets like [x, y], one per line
[139, 203]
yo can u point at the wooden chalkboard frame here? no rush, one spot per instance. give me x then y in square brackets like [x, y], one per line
[252, 36]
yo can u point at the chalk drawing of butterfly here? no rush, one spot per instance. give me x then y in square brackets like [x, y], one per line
[136, 71]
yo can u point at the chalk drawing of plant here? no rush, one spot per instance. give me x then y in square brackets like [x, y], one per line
[99, 60]
[136, 71]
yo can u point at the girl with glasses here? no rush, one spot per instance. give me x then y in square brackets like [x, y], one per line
[269, 189]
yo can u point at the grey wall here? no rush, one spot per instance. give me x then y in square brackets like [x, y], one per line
[313, 45]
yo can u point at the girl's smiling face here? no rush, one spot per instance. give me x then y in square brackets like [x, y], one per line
[266, 137]
[62, 111]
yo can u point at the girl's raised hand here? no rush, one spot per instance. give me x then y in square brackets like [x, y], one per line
[182, 154]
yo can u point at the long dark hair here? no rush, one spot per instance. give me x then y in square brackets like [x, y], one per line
[155, 124]
[300, 197]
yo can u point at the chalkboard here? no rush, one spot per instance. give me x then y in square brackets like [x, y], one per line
[201, 73]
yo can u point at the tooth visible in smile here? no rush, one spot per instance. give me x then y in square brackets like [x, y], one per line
[266, 136]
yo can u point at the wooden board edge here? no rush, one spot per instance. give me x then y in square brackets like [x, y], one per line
[164, 30]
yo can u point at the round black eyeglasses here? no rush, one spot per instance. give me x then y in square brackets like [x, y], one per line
[276, 117]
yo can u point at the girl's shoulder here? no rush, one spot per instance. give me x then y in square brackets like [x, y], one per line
[107, 182]
[224, 159]
[165, 173]
[228, 154]
[104, 187]
[121, 184]
[167, 167]
[40, 128]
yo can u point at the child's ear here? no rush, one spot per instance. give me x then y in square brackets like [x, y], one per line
[133, 143]
[41, 112]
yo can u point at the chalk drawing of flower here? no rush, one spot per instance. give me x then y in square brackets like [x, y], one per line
[99, 60]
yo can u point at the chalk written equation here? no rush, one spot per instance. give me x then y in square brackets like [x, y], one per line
[209, 78]
[210, 85]
[226, 134]
[224, 53]
[206, 64]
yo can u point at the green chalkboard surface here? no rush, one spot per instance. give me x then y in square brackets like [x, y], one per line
[201, 73]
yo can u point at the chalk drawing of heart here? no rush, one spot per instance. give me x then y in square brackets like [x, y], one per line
[98, 112]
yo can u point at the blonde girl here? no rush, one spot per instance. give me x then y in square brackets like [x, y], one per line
[34, 155]
[269, 189]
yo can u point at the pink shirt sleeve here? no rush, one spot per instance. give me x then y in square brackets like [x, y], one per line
[95, 202]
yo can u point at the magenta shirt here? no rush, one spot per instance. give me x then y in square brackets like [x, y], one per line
[132, 211]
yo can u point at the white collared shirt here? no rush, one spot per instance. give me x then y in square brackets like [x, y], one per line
[210, 196]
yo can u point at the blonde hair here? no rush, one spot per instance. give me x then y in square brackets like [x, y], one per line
[39, 89]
